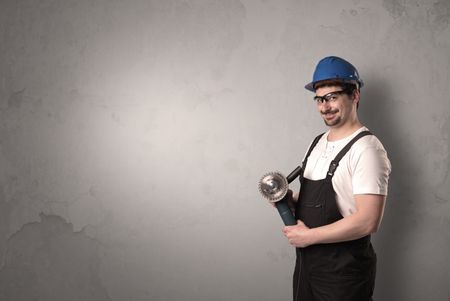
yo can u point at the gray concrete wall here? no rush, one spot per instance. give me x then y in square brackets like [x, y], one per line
[133, 133]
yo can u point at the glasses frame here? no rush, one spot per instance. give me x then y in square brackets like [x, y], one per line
[328, 97]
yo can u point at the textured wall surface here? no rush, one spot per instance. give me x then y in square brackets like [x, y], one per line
[133, 133]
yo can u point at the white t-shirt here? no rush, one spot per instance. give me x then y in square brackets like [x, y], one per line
[364, 169]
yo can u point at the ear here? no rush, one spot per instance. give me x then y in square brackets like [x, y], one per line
[356, 96]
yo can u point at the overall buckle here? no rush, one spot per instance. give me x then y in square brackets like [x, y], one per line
[333, 165]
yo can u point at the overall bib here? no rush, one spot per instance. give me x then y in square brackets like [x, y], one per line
[343, 271]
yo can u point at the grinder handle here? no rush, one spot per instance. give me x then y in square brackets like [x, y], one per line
[282, 206]
[285, 212]
[291, 177]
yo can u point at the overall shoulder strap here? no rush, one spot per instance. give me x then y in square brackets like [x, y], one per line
[313, 144]
[334, 164]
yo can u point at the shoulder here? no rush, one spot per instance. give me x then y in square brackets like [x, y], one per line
[369, 152]
[368, 143]
[318, 141]
[369, 166]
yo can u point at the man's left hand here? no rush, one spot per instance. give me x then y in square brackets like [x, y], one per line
[298, 235]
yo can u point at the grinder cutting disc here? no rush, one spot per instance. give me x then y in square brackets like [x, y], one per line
[273, 186]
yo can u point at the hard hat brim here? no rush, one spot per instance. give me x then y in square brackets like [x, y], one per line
[310, 87]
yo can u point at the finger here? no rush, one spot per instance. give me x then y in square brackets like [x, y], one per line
[288, 228]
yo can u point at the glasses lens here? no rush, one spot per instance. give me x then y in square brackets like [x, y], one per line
[318, 99]
[332, 96]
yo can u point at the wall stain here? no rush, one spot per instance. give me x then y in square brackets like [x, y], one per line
[16, 99]
[439, 15]
[396, 8]
[46, 260]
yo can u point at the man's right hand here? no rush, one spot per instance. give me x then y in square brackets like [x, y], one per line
[291, 199]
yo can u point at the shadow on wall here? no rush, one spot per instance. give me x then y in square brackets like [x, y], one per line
[379, 113]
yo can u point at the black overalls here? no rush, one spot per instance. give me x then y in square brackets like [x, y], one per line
[335, 271]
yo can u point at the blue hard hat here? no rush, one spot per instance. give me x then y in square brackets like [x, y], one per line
[333, 67]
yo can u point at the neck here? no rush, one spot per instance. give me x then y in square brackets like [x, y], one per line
[345, 130]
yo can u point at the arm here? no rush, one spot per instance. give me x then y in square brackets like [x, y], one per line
[364, 221]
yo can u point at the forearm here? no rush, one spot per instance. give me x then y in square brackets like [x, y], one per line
[349, 228]
[364, 222]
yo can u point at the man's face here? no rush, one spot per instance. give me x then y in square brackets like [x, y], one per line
[338, 109]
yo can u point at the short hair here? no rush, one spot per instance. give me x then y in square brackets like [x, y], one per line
[346, 86]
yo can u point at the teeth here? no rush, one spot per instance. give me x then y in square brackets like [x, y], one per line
[273, 186]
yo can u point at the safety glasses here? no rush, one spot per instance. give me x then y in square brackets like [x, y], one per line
[329, 97]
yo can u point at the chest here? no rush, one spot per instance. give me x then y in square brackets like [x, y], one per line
[320, 159]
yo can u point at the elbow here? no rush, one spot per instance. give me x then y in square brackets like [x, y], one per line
[372, 230]
[372, 227]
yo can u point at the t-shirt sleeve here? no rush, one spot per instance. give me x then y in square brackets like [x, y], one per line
[371, 173]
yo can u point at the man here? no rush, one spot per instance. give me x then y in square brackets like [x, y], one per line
[344, 183]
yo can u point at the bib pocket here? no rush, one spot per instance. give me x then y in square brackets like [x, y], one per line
[312, 214]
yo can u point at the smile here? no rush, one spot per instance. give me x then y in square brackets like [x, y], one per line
[329, 114]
